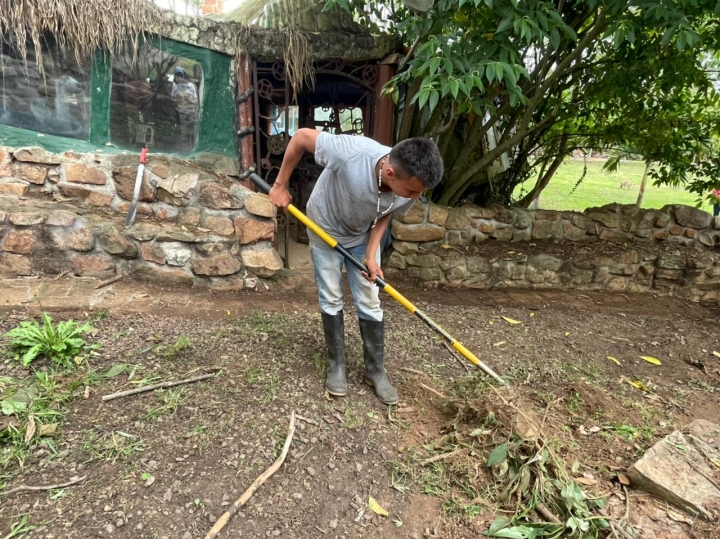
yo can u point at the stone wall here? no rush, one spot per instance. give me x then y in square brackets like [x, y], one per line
[65, 213]
[614, 247]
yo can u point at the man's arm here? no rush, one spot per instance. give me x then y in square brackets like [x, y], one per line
[374, 240]
[302, 141]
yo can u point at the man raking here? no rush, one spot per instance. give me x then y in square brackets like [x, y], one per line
[362, 185]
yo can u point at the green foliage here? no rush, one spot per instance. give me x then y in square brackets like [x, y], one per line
[510, 88]
[536, 477]
[59, 343]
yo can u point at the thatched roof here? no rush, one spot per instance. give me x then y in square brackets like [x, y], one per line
[305, 15]
[295, 31]
[83, 25]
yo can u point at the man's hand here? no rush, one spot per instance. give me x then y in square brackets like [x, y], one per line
[280, 196]
[374, 270]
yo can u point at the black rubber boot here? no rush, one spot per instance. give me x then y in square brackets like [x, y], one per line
[334, 327]
[373, 337]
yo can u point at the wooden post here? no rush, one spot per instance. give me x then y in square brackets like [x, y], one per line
[245, 113]
[383, 121]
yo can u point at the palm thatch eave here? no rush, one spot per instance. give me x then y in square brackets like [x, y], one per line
[83, 26]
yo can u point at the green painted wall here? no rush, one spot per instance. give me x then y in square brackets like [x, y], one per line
[215, 131]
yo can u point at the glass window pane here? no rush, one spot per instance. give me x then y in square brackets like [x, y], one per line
[155, 102]
[56, 102]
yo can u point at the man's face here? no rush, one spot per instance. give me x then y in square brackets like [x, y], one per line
[404, 186]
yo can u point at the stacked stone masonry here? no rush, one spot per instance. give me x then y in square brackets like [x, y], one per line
[65, 213]
[615, 247]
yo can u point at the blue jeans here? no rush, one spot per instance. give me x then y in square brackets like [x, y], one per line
[716, 210]
[328, 265]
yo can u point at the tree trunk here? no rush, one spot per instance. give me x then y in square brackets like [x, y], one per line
[543, 180]
[643, 183]
[409, 111]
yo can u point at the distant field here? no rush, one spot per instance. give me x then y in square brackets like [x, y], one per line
[599, 188]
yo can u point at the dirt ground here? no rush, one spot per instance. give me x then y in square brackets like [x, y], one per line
[167, 464]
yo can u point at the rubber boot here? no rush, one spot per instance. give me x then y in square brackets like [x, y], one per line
[334, 327]
[373, 337]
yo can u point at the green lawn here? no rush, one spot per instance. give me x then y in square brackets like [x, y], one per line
[599, 188]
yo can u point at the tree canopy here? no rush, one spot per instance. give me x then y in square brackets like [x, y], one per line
[510, 88]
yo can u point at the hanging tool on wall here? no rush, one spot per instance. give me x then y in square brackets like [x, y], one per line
[130, 219]
[382, 285]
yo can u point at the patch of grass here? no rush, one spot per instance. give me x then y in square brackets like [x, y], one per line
[320, 365]
[273, 383]
[352, 419]
[599, 188]
[111, 446]
[267, 327]
[252, 374]
[576, 403]
[171, 399]
[33, 409]
[181, 344]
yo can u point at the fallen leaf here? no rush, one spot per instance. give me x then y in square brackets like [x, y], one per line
[31, 429]
[715, 461]
[532, 315]
[499, 343]
[376, 507]
[716, 354]
[115, 370]
[567, 333]
[624, 480]
[48, 429]
[637, 384]
[614, 360]
[446, 246]
[585, 481]
[228, 313]
[511, 321]
[491, 322]
[651, 359]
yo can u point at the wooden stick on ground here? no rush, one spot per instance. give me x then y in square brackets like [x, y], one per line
[463, 363]
[157, 386]
[242, 500]
[408, 369]
[109, 281]
[546, 513]
[307, 420]
[441, 456]
[434, 391]
[48, 487]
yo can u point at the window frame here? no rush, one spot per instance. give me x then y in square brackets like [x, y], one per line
[216, 126]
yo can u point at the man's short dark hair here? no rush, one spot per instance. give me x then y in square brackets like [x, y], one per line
[418, 157]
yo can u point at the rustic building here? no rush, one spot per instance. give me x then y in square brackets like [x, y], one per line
[212, 98]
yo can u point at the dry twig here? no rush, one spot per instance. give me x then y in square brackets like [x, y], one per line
[307, 420]
[441, 456]
[453, 354]
[110, 281]
[546, 513]
[434, 391]
[242, 500]
[408, 369]
[48, 487]
[157, 386]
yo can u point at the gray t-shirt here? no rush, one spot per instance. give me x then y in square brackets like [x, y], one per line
[344, 200]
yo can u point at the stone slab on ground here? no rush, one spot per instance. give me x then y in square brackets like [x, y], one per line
[678, 470]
